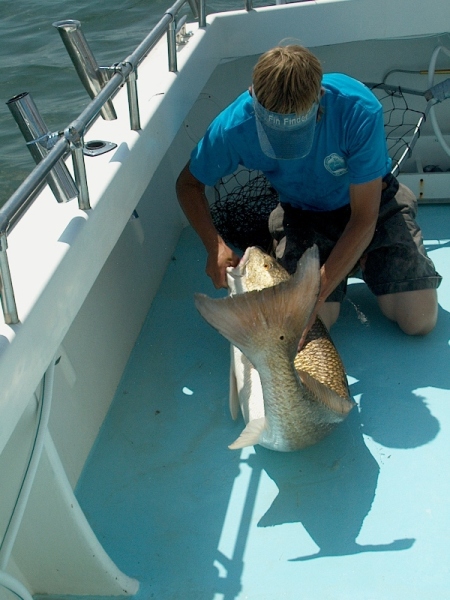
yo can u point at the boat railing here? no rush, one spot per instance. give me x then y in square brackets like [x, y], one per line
[49, 149]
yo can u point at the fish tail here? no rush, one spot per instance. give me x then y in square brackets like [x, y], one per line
[255, 320]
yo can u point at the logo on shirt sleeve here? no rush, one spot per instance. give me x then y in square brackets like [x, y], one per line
[335, 164]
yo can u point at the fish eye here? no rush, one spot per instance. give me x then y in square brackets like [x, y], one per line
[281, 337]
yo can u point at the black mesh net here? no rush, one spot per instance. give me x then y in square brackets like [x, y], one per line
[242, 207]
[402, 121]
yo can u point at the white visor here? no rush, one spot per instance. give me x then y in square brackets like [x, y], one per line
[285, 136]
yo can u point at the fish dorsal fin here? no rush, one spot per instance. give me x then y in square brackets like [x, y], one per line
[250, 435]
[339, 405]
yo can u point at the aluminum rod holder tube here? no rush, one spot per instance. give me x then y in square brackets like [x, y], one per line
[172, 46]
[33, 129]
[202, 13]
[133, 104]
[84, 62]
[194, 8]
[79, 168]
[6, 288]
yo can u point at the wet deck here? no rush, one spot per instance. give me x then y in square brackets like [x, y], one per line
[362, 515]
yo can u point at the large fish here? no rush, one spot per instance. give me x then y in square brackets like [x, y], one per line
[288, 399]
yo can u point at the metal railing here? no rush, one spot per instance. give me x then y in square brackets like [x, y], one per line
[49, 150]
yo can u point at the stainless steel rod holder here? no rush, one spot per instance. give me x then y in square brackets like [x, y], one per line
[172, 46]
[194, 8]
[202, 13]
[80, 176]
[6, 288]
[79, 166]
[84, 62]
[133, 104]
[33, 128]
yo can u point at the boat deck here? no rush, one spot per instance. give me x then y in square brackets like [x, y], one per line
[363, 514]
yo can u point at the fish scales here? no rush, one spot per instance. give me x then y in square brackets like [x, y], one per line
[318, 356]
[301, 420]
[289, 399]
[321, 360]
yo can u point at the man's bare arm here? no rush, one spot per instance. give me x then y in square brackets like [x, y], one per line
[193, 201]
[365, 205]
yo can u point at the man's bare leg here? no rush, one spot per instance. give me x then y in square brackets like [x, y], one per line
[415, 312]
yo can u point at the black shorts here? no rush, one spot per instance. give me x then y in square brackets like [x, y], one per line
[395, 260]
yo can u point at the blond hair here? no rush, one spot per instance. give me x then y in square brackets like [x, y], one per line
[287, 79]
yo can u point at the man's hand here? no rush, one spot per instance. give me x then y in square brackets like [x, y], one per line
[217, 263]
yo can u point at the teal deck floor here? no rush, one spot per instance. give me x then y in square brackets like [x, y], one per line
[363, 515]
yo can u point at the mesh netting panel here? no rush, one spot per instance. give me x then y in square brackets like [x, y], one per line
[242, 207]
[402, 122]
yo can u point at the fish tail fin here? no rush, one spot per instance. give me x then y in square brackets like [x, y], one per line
[250, 435]
[253, 320]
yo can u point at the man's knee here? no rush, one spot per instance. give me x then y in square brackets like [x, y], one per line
[415, 312]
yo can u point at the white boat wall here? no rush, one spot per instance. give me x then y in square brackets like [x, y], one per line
[84, 280]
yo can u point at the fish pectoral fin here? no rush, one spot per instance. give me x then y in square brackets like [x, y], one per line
[338, 404]
[250, 435]
[234, 395]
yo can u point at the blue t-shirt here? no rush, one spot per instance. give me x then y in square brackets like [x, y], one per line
[349, 147]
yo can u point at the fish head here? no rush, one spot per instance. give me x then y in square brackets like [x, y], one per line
[256, 270]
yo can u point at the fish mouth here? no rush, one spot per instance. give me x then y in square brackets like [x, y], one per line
[240, 270]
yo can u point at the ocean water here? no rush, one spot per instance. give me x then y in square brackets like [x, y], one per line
[33, 59]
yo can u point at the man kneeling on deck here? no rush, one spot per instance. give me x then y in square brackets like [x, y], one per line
[319, 140]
